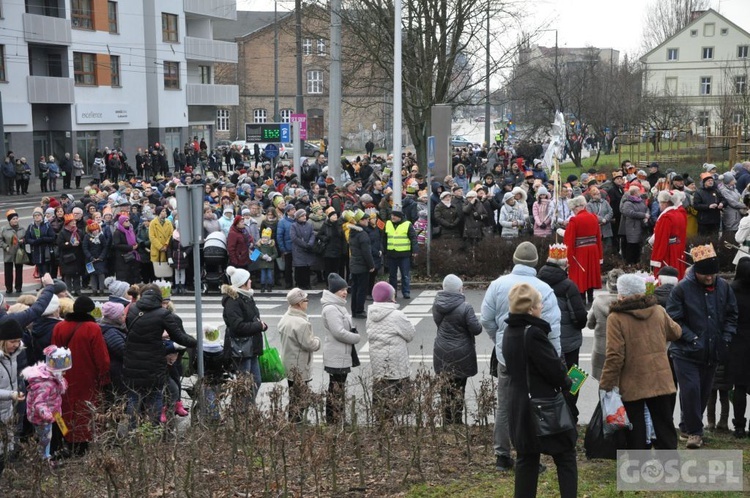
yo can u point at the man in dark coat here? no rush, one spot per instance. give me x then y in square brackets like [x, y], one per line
[66, 170]
[615, 191]
[361, 263]
[704, 305]
[709, 203]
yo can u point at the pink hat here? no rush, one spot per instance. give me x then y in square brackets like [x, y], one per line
[383, 292]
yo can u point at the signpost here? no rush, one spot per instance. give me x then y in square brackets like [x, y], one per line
[301, 120]
[271, 151]
[430, 169]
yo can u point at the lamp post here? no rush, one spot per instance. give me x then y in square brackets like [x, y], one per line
[397, 83]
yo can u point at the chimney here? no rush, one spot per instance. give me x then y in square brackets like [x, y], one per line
[696, 14]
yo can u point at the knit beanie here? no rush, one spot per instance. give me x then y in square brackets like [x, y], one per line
[117, 288]
[383, 292]
[59, 286]
[54, 305]
[10, 214]
[522, 298]
[10, 329]
[237, 220]
[336, 283]
[629, 285]
[238, 276]
[668, 275]
[451, 283]
[299, 214]
[83, 304]
[295, 296]
[727, 178]
[526, 254]
[267, 232]
[612, 278]
[112, 311]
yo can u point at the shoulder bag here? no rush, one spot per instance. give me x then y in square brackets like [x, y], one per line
[550, 415]
[271, 366]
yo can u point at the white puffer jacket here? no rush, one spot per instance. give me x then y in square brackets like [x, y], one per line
[389, 331]
[337, 349]
[8, 384]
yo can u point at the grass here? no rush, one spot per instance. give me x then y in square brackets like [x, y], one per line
[596, 478]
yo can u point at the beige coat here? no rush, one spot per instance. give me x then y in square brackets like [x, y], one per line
[297, 343]
[638, 330]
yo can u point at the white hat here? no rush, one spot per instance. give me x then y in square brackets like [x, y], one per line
[54, 305]
[471, 193]
[238, 276]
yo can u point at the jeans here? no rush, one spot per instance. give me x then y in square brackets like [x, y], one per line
[527, 474]
[501, 433]
[250, 366]
[402, 263]
[266, 276]
[146, 404]
[359, 292]
[695, 383]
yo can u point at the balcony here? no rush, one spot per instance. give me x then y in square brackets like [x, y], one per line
[45, 29]
[50, 90]
[219, 9]
[212, 94]
[203, 49]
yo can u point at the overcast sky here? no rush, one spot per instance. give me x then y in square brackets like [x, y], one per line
[599, 23]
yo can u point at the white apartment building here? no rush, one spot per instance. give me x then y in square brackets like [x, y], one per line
[81, 75]
[704, 66]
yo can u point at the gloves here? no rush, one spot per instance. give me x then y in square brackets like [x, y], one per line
[170, 261]
[266, 257]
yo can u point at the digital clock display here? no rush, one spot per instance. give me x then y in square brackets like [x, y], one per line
[270, 133]
[267, 132]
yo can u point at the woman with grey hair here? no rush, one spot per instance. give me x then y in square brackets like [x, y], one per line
[634, 218]
[597, 320]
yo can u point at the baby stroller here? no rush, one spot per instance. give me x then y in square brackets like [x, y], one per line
[215, 258]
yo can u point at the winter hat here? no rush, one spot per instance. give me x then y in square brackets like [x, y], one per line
[508, 196]
[445, 194]
[728, 178]
[330, 211]
[358, 215]
[295, 296]
[49, 210]
[336, 283]
[117, 288]
[571, 178]
[238, 276]
[245, 211]
[237, 220]
[630, 285]
[299, 214]
[54, 305]
[267, 232]
[53, 203]
[526, 254]
[83, 304]
[92, 226]
[10, 330]
[383, 292]
[451, 283]
[523, 297]
[542, 191]
[213, 343]
[10, 214]
[398, 214]
[59, 286]
[705, 260]
[112, 311]
[277, 200]
[668, 275]
[68, 218]
[709, 167]
[471, 193]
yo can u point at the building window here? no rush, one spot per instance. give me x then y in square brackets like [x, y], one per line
[112, 16]
[205, 75]
[307, 46]
[703, 118]
[708, 29]
[705, 85]
[114, 63]
[707, 53]
[742, 51]
[171, 75]
[81, 15]
[2, 64]
[321, 46]
[260, 116]
[117, 138]
[84, 68]
[169, 27]
[693, 32]
[737, 118]
[740, 85]
[222, 119]
[315, 82]
[286, 115]
[724, 31]
[673, 54]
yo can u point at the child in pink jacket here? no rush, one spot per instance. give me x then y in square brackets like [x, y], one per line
[46, 386]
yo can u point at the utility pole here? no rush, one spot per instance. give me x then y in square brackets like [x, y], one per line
[275, 63]
[397, 83]
[487, 122]
[334, 94]
[299, 102]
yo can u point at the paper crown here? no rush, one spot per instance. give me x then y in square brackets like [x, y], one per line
[558, 251]
[700, 253]
[58, 359]
[166, 289]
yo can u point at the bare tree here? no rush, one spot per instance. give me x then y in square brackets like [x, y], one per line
[664, 18]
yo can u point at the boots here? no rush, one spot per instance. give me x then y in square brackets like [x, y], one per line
[711, 411]
[723, 424]
[180, 409]
[739, 427]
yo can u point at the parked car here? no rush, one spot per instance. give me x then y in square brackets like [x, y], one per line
[223, 145]
[309, 150]
[480, 119]
[459, 141]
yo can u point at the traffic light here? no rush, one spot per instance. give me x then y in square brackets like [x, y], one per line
[510, 122]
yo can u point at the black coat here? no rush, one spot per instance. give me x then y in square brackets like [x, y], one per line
[739, 349]
[115, 336]
[376, 245]
[455, 347]
[42, 245]
[332, 234]
[572, 310]
[124, 271]
[548, 376]
[360, 260]
[39, 338]
[75, 264]
[96, 251]
[242, 318]
[702, 199]
[144, 366]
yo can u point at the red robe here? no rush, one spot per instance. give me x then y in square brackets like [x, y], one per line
[583, 237]
[89, 374]
[671, 225]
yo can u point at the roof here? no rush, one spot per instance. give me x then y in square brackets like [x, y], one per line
[690, 25]
[247, 22]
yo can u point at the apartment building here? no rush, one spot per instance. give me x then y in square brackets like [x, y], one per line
[81, 75]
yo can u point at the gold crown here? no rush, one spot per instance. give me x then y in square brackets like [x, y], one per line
[699, 253]
[558, 251]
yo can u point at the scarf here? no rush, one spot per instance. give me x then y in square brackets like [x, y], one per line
[543, 210]
[245, 292]
[74, 238]
[129, 237]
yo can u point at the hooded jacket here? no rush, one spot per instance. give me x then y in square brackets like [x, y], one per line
[302, 237]
[572, 309]
[8, 384]
[389, 331]
[115, 337]
[360, 260]
[455, 351]
[597, 320]
[44, 395]
[298, 343]
[638, 330]
[337, 348]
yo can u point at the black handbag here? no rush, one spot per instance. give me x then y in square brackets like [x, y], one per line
[128, 257]
[355, 356]
[550, 415]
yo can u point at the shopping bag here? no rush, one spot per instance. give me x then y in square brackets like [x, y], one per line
[596, 444]
[613, 411]
[271, 367]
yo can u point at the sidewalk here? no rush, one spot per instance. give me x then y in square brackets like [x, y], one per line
[35, 190]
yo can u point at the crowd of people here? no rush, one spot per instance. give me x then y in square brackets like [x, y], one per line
[296, 232]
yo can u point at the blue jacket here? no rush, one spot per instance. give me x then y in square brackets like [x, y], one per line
[495, 306]
[42, 245]
[284, 234]
[708, 320]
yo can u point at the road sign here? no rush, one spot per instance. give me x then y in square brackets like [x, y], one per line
[271, 151]
[302, 120]
[285, 136]
[431, 152]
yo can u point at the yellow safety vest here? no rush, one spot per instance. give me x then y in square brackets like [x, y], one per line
[398, 237]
